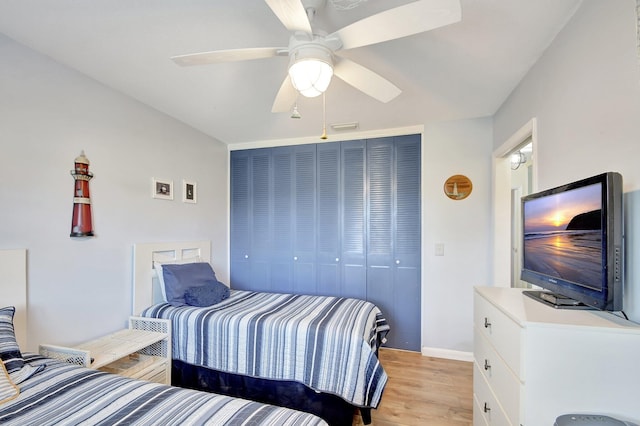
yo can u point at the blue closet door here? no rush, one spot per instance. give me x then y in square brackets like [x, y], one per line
[341, 230]
[380, 255]
[251, 219]
[261, 234]
[281, 278]
[273, 219]
[353, 231]
[407, 242]
[240, 219]
[393, 246]
[304, 220]
[338, 218]
[329, 218]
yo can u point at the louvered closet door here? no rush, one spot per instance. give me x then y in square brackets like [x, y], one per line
[329, 219]
[281, 279]
[240, 217]
[393, 246]
[341, 230]
[273, 219]
[353, 232]
[251, 219]
[304, 220]
[334, 219]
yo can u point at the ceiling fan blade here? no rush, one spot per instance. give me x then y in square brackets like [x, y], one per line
[286, 96]
[402, 21]
[366, 80]
[231, 55]
[292, 14]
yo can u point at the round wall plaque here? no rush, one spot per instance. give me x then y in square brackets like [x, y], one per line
[458, 187]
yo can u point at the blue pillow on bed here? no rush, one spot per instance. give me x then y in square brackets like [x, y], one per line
[179, 279]
[207, 295]
[9, 350]
[10, 353]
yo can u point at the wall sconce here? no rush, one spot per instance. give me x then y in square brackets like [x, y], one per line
[517, 159]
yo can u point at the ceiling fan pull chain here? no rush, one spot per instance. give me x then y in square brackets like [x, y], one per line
[324, 117]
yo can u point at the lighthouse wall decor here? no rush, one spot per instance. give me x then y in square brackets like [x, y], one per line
[458, 187]
[81, 223]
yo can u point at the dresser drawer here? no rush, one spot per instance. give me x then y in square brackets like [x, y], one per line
[504, 334]
[504, 384]
[486, 409]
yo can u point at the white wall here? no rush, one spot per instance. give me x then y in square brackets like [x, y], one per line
[80, 288]
[585, 93]
[461, 147]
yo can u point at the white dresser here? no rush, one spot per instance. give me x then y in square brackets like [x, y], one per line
[534, 363]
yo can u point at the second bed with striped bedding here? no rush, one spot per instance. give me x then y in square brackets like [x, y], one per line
[327, 343]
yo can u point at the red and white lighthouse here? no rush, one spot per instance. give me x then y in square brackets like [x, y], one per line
[81, 224]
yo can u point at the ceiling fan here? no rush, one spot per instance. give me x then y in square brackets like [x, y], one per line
[317, 53]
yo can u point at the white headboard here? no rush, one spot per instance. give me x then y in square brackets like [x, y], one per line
[13, 290]
[146, 289]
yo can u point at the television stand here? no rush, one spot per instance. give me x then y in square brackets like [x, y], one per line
[534, 363]
[556, 300]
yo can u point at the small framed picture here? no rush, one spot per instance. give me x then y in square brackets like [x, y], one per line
[189, 192]
[162, 188]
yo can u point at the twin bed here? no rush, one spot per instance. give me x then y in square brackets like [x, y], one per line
[298, 360]
[65, 394]
[311, 353]
[43, 391]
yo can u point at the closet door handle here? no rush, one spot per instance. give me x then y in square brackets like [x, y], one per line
[487, 365]
[487, 324]
[486, 408]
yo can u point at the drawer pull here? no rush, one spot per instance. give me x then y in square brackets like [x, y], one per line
[487, 366]
[487, 324]
[486, 408]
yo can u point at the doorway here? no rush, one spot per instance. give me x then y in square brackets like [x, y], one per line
[515, 175]
[521, 160]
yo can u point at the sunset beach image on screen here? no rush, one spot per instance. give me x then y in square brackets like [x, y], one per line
[563, 235]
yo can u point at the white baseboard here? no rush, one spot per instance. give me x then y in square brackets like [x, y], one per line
[448, 354]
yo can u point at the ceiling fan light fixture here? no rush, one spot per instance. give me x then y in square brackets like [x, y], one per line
[311, 77]
[311, 70]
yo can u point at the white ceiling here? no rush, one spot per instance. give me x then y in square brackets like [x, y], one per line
[464, 70]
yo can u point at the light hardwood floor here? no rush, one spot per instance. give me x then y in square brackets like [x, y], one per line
[424, 391]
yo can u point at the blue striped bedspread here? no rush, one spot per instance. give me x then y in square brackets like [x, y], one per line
[65, 394]
[327, 343]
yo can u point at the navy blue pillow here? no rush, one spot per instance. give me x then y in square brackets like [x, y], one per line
[206, 295]
[9, 350]
[179, 278]
[10, 353]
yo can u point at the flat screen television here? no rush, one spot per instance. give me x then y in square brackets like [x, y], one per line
[573, 243]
